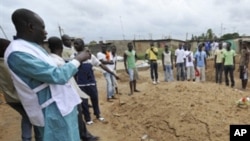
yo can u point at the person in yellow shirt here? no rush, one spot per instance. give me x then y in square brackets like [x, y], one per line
[218, 58]
[151, 55]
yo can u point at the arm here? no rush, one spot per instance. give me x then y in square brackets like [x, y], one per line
[125, 62]
[162, 60]
[154, 50]
[171, 57]
[205, 61]
[31, 67]
[215, 57]
[195, 61]
[108, 70]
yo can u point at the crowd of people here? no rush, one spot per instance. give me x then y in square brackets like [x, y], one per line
[192, 65]
[51, 89]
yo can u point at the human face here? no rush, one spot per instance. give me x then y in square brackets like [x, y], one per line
[38, 30]
[78, 45]
[130, 47]
[104, 48]
[66, 41]
[113, 49]
[166, 48]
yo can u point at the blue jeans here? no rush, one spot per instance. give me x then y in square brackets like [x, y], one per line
[168, 73]
[26, 126]
[109, 79]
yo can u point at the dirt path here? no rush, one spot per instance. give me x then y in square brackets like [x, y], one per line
[176, 111]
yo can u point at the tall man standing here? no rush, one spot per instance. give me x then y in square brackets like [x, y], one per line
[218, 58]
[43, 87]
[229, 64]
[151, 55]
[179, 62]
[201, 62]
[243, 68]
[130, 67]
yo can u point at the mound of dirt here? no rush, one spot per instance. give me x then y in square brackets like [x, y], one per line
[180, 111]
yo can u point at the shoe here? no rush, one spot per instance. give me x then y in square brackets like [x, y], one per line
[89, 122]
[113, 97]
[157, 81]
[100, 119]
[109, 100]
[154, 82]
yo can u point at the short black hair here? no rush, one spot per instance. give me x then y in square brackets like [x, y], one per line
[21, 18]
[4, 43]
[55, 43]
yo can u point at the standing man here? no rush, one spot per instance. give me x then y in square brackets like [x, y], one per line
[48, 99]
[167, 64]
[218, 58]
[243, 66]
[68, 50]
[56, 48]
[229, 64]
[189, 62]
[130, 67]
[87, 82]
[11, 97]
[151, 55]
[179, 62]
[201, 62]
[114, 56]
[106, 59]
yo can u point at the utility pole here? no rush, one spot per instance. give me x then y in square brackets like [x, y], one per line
[123, 36]
[60, 30]
[4, 33]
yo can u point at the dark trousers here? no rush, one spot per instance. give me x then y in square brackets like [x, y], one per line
[26, 126]
[92, 92]
[242, 77]
[218, 72]
[154, 70]
[229, 69]
[84, 134]
[180, 71]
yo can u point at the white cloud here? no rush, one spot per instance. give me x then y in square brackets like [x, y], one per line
[108, 19]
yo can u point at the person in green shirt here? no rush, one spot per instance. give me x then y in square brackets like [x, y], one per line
[229, 64]
[130, 67]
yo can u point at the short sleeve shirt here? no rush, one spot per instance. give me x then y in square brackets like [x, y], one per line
[228, 56]
[151, 54]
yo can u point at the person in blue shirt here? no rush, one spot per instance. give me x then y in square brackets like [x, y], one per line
[200, 62]
[41, 85]
[87, 82]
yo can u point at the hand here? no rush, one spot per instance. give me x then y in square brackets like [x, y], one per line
[164, 69]
[175, 65]
[116, 77]
[172, 67]
[83, 56]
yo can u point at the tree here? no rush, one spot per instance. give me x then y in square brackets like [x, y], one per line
[209, 34]
[92, 43]
[230, 36]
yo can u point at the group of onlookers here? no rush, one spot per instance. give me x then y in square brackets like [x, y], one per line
[192, 64]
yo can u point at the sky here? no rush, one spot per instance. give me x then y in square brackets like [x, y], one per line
[95, 20]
